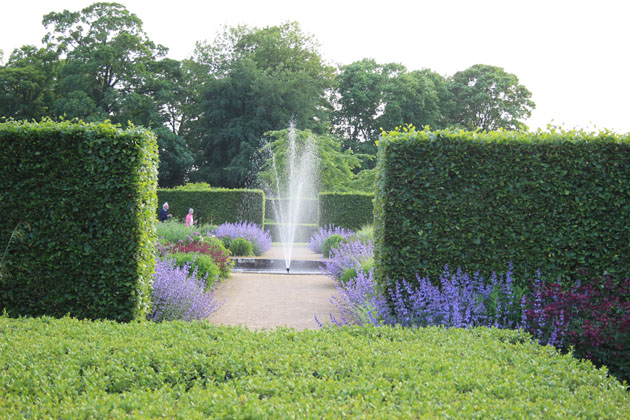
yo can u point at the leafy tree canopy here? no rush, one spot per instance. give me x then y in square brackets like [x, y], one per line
[259, 80]
[488, 98]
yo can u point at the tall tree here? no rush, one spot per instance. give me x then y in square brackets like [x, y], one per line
[488, 98]
[112, 70]
[26, 83]
[259, 80]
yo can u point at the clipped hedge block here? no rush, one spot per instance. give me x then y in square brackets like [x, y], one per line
[302, 234]
[215, 205]
[307, 211]
[77, 369]
[558, 202]
[348, 210]
[82, 197]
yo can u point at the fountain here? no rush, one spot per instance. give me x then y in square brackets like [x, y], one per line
[295, 180]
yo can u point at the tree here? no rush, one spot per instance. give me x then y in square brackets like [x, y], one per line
[112, 70]
[418, 97]
[259, 79]
[360, 101]
[335, 167]
[26, 83]
[488, 98]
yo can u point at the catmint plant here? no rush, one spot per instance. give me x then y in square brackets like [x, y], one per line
[261, 239]
[177, 296]
[318, 238]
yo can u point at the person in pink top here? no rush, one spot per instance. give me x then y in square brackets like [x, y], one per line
[189, 218]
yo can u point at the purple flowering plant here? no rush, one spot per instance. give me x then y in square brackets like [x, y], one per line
[178, 296]
[347, 255]
[260, 239]
[318, 238]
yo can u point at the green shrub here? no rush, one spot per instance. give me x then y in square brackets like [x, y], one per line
[347, 210]
[204, 264]
[174, 230]
[78, 369]
[241, 247]
[366, 233]
[214, 205]
[482, 200]
[330, 243]
[84, 197]
[348, 275]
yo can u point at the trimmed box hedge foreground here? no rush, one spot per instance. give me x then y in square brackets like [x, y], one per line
[80, 369]
[557, 201]
[81, 199]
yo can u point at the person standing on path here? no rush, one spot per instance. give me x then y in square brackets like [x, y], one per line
[164, 214]
[189, 218]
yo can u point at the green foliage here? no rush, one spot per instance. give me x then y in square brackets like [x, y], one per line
[334, 167]
[173, 230]
[85, 196]
[348, 275]
[207, 270]
[241, 247]
[482, 200]
[488, 98]
[214, 205]
[348, 210]
[79, 369]
[260, 79]
[365, 233]
[331, 242]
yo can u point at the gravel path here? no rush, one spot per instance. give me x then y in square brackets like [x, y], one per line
[266, 301]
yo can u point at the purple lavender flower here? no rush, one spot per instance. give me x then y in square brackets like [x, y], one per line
[347, 255]
[317, 240]
[360, 302]
[250, 231]
[179, 296]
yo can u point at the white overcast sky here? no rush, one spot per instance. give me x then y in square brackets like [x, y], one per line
[572, 55]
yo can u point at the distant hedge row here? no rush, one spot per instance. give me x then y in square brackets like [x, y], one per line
[303, 231]
[81, 198]
[72, 369]
[558, 202]
[348, 210]
[215, 205]
[307, 213]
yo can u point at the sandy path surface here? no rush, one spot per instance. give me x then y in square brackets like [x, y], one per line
[270, 300]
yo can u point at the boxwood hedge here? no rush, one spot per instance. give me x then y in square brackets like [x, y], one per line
[79, 369]
[556, 201]
[215, 205]
[348, 210]
[83, 198]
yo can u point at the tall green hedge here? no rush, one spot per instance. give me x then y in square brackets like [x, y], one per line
[349, 210]
[82, 197]
[307, 213]
[215, 205]
[558, 202]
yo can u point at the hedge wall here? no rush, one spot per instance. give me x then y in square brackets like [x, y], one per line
[215, 205]
[349, 210]
[303, 232]
[558, 202]
[82, 197]
[66, 368]
[307, 214]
